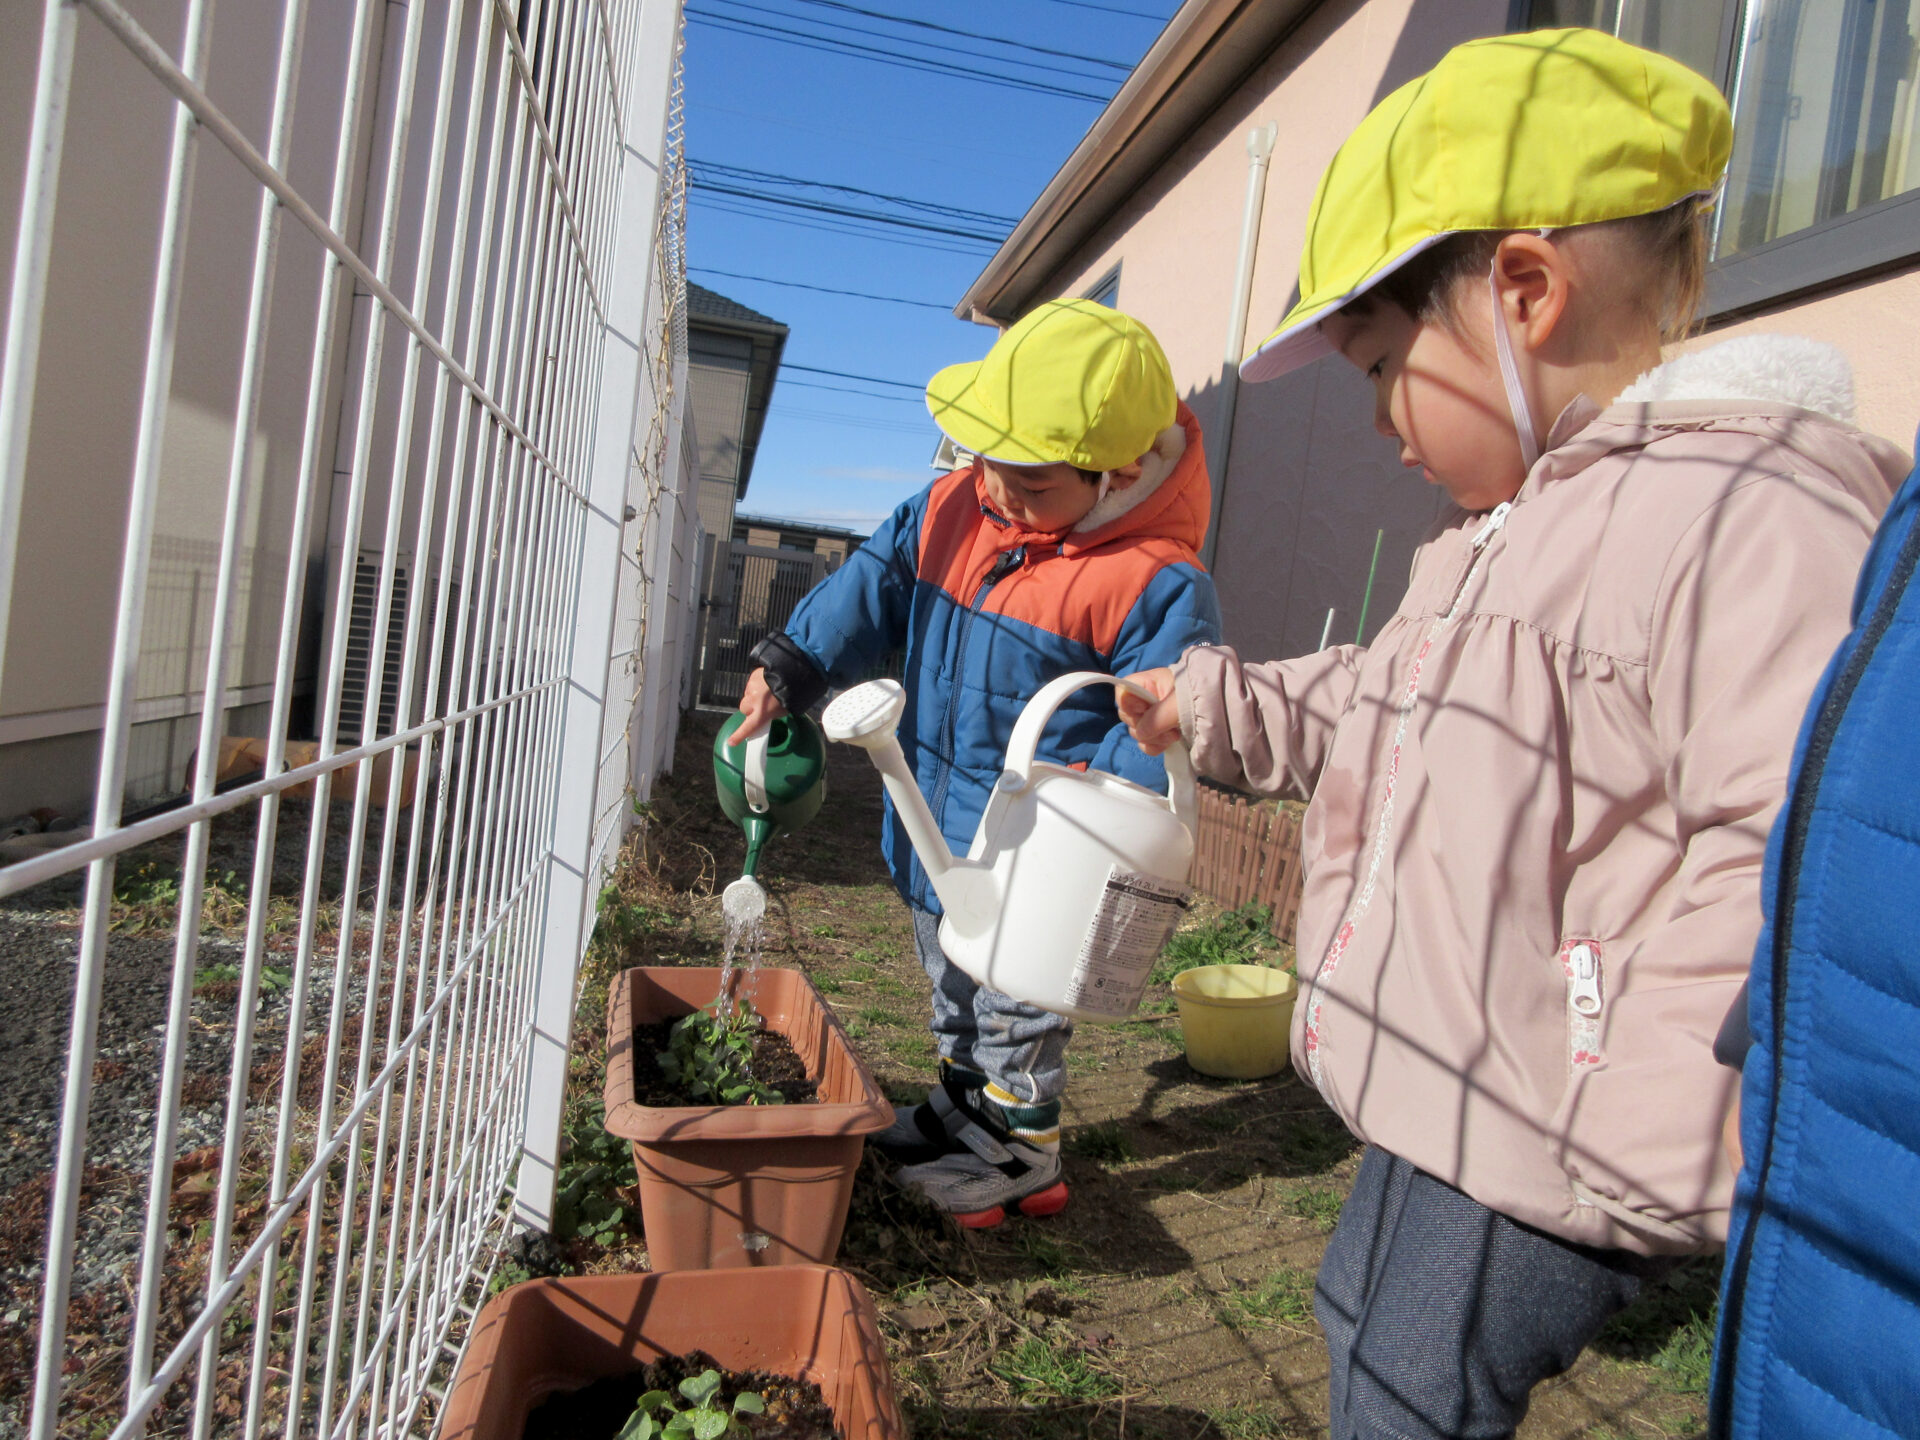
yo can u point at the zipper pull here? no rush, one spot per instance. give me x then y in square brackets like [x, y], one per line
[1495, 521]
[1585, 998]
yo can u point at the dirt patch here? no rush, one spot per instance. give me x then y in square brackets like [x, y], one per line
[775, 1064]
[793, 1409]
[1172, 1297]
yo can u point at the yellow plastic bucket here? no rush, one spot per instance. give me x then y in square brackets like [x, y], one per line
[1235, 1019]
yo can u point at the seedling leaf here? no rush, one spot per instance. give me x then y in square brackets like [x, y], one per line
[701, 1388]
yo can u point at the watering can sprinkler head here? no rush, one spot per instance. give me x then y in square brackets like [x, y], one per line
[867, 715]
[744, 901]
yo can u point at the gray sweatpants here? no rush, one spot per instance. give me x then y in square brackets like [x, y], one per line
[1017, 1046]
[1442, 1315]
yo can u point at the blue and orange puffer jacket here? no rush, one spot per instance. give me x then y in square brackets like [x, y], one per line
[988, 612]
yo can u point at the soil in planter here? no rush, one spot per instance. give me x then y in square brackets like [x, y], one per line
[795, 1408]
[776, 1064]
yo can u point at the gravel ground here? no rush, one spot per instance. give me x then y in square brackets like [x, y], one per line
[38, 959]
[39, 950]
[38, 954]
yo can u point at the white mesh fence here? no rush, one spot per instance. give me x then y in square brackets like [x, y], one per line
[364, 323]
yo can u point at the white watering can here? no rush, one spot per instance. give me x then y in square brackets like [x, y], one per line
[1075, 878]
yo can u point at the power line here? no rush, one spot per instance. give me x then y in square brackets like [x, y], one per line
[725, 206]
[874, 217]
[968, 34]
[773, 177]
[958, 245]
[823, 289]
[881, 57]
[1113, 10]
[942, 49]
[863, 394]
[843, 375]
[917, 153]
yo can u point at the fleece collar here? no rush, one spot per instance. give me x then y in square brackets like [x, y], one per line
[1771, 369]
[1169, 501]
[1797, 394]
[1155, 466]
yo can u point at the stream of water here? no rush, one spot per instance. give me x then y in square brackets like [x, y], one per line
[744, 914]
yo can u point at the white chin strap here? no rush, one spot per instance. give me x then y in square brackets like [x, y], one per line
[1510, 376]
[1106, 483]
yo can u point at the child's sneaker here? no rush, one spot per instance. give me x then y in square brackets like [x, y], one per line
[1005, 1155]
[927, 1131]
[978, 1185]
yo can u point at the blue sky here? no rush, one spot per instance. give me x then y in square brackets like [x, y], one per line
[755, 102]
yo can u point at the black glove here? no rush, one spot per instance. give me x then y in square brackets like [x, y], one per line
[796, 682]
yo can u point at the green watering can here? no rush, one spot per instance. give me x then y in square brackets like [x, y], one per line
[768, 786]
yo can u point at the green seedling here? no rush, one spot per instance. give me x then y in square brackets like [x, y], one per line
[697, 1415]
[710, 1052]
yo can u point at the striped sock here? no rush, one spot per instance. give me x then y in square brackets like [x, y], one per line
[1035, 1125]
[952, 1072]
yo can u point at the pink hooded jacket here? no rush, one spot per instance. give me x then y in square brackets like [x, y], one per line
[1541, 798]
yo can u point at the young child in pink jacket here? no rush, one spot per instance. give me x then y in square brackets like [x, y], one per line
[1540, 798]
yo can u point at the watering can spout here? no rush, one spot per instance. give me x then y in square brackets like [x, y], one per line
[869, 716]
[759, 830]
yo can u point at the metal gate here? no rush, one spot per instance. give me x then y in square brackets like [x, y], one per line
[438, 349]
[751, 591]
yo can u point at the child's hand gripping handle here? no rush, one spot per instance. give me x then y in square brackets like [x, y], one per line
[1048, 698]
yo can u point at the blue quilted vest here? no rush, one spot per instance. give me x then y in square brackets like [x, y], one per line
[1820, 1304]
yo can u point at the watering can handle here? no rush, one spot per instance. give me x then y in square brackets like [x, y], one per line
[753, 771]
[1048, 698]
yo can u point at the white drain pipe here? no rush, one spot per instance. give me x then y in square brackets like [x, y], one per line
[1259, 152]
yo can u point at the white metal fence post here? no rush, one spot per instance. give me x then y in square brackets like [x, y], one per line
[625, 396]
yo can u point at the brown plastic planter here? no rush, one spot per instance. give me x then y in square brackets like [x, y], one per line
[727, 1185]
[552, 1335]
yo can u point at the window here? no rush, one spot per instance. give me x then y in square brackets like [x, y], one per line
[1824, 182]
[1106, 290]
[1826, 121]
[1691, 31]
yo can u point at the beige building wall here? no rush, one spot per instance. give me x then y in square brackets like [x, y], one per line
[718, 377]
[1876, 322]
[716, 508]
[1308, 482]
[101, 284]
[1309, 485]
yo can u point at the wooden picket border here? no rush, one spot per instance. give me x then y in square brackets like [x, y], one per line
[1249, 853]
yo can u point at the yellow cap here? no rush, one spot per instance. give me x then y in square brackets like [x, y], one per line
[1534, 131]
[1072, 382]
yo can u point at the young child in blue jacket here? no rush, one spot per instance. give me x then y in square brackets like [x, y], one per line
[1067, 543]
